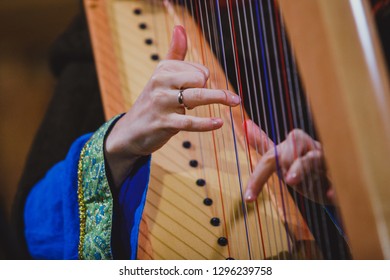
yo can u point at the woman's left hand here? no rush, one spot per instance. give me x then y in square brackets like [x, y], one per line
[300, 160]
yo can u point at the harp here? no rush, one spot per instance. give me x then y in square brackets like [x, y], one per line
[195, 211]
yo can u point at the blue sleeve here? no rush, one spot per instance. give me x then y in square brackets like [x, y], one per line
[51, 215]
[131, 205]
[69, 213]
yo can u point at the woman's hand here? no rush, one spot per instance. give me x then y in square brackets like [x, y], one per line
[157, 115]
[301, 162]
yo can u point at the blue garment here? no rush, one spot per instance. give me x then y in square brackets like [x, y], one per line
[51, 215]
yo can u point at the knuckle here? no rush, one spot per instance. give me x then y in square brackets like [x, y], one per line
[175, 125]
[283, 161]
[161, 64]
[185, 123]
[166, 124]
[269, 156]
[156, 80]
[202, 68]
[206, 72]
[295, 134]
[200, 79]
[314, 154]
[224, 97]
[157, 97]
[198, 95]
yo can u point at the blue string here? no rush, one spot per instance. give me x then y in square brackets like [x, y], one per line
[262, 45]
[234, 138]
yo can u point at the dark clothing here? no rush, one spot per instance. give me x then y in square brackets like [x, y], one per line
[75, 109]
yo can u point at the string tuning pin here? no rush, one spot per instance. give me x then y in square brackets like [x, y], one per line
[137, 11]
[155, 57]
[148, 41]
[142, 26]
[194, 163]
[186, 144]
[215, 221]
[208, 201]
[200, 182]
[222, 241]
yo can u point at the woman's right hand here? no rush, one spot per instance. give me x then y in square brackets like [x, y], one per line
[157, 115]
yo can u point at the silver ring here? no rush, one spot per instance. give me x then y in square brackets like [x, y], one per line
[180, 98]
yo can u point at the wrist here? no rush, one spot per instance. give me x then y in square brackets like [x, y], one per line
[119, 160]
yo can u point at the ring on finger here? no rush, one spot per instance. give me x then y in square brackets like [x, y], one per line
[180, 99]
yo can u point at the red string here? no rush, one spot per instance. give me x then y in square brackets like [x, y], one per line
[245, 124]
[213, 137]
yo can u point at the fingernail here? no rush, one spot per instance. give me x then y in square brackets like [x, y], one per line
[291, 176]
[217, 122]
[248, 196]
[235, 99]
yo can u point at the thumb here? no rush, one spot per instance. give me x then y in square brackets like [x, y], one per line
[178, 48]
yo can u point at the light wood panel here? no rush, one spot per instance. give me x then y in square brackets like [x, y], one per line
[345, 77]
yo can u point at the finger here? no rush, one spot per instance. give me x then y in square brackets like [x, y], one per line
[264, 169]
[178, 47]
[297, 144]
[258, 139]
[182, 66]
[193, 97]
[195, 124]
[182, 80]
[331, 195]
[311, 162]
[302, 142]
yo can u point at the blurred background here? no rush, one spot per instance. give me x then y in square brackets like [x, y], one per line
[27, 29]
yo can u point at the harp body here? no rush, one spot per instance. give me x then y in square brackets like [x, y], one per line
[176, 222]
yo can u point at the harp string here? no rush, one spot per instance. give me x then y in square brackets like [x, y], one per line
[285, 69]
[220, 84]
[310, 185]
[281, 69]
[319, 220]
[214, 45]
[251, 109]
[286, 82]
[199, 17]
[231, 19]
[201, 167]
[203, 111]
[233, 241]
[270, 105]
[211, 113]
[223, 57]
[213, 39]
[197, 13]
[282, 86]
[165, 41]
[261, 149]
[238, 72]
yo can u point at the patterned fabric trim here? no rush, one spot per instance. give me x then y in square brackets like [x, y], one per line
[95, 198]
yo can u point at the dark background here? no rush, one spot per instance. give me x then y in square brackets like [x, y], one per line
[27, 29]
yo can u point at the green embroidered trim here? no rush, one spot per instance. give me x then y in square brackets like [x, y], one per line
[95, 199]
[80, 197]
